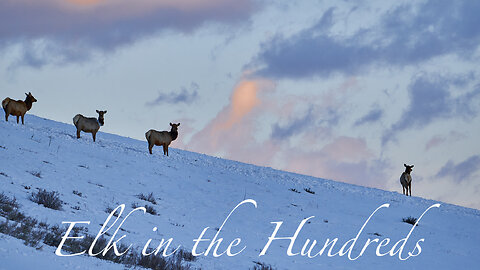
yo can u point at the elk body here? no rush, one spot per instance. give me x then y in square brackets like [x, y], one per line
[162, 138]
[18, 108]
[89, 124]
[406, 179]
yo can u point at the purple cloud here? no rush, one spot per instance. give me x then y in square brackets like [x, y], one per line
[295, 126]
[406, 35]
[430, 100]
[182, 96]
[460, 171]
[372, 116]
[75, 26]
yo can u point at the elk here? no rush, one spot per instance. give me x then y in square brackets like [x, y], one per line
[89, 124]
[18, 108]
[406, 179]
[163, 138]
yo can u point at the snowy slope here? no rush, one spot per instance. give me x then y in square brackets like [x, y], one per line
[194, 191]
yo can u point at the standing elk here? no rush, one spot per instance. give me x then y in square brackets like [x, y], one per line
[406, 179]
[18, 108]
[89, 124]
[163, 138]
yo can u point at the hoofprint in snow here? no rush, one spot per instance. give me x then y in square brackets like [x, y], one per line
[195, 191]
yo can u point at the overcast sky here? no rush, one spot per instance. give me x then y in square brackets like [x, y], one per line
[344, 90]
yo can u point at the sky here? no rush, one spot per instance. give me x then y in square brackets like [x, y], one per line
[343, 90]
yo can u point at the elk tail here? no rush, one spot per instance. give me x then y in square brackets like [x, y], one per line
[76, 119]
[147, 135]
[5, 103]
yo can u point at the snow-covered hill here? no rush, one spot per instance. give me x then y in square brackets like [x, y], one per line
[194, 191]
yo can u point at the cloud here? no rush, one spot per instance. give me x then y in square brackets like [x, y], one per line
[234, 134]
[183, 96]
[430, 100]
[462, 170]
[372, 116]
[295, 126]
[105, 25]
[406, 35]
[233, 124]
[344, 159]
[438, 140]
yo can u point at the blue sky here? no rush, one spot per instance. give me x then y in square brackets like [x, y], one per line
[346, 90]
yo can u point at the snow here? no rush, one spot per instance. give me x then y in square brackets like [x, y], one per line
[195, 191]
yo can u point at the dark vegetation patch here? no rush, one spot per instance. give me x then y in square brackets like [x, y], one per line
[36, 234]
[49, 199]
[410, 220]
[149, 197]
[35, 173]
[309, 190]
[262, 266]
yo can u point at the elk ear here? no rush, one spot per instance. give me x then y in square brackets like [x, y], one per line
[104, 111]
[30, 93]
[26, 94]
[412, 166]
[171, 124]
[97, 111]
[178, 124]
[405, 165]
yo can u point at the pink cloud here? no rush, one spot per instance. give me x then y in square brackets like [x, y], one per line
[233, 134]
[438, 140]
[69, 28]
[233, 127]
[347, 149]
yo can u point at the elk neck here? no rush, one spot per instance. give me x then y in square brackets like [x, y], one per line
[173, 134]
[28, 101]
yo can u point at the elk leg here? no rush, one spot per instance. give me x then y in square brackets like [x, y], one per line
[23, 116]
[78, 133]
[150, 147]
[6, 115]
[410, 188]
[94, 135]
[164, 149]
[18, 117]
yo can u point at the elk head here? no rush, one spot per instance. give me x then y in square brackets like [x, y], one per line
[101, 120]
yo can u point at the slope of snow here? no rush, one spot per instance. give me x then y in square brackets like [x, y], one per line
[195, 191]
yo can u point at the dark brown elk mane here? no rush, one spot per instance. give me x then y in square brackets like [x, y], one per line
[29, 102]
[174, 133]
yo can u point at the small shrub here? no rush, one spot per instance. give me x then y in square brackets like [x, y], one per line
[153, 262]
[309, 190]
[148, 198]
[410, 220]
[185, 255]
[7, 204]
[35, 173]
[15, 215]
[78, 193]
[150, 210]
[294, 190]
[54, 236]
[109, 210]
[49, 199]
[262, 266]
